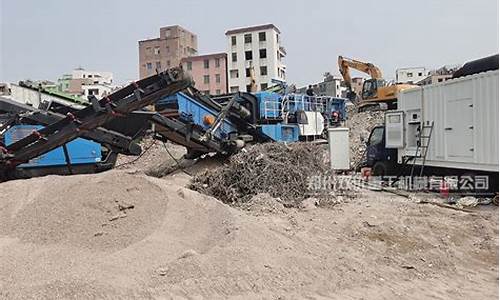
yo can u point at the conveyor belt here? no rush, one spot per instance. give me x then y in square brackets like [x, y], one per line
[120, 103]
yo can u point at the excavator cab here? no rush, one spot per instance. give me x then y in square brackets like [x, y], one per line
[370, 88]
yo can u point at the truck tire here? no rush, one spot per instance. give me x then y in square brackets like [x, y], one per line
[379, 169]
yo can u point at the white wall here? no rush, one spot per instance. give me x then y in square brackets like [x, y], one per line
[31, 97]
[411, 75]
[271, 61]
[102, 90]
[99, 77]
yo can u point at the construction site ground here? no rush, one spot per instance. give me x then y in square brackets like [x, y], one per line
[125, 234]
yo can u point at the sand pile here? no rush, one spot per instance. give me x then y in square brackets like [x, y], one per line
[177, 243]
[360, 125]
[104, 211]
[282, 171]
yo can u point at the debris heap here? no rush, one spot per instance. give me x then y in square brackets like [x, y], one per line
[360, 125]
[283, 171]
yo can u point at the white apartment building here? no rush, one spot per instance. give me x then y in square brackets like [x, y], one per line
[258, 47]
[95, 77]
[96, 89]
[85, 83]
[411, 75]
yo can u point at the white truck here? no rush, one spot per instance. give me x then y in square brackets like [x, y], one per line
[449, 128]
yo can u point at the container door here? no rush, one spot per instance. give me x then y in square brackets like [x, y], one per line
[459, 129]
[394, 137]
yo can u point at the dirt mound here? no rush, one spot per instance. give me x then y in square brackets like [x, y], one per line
[103, 211]
[281, 170]
[263, 204]
[178, 243]
[360, 125]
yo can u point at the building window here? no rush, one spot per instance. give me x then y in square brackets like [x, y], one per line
[168, 63]
[206, 64]
[248, 55]
[262, 53]
[233, 41]
[263, 71]
[263, 86]
[233, 73]
[249, 88]
[217, 92]
[217, 78]
[158, 65]
[440, 79]
[206, 92]
[189, 65]
[206, 79]
[217, 62]
[157, 50]
[149, 66]
[168, 49]
[262, 36]
[409, 74]
[247, 72]
[94, 92]
[248, 38]
[234, 56]
[235, 89]
[420, 74]
[167, 33]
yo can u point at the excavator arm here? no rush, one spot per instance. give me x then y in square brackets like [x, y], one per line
[368, 68]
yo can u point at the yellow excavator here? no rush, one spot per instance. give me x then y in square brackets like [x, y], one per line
[376, 93]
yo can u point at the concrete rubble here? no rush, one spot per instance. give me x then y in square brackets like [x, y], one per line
[360, 125]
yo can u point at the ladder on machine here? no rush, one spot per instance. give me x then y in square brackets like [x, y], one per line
[424, 139]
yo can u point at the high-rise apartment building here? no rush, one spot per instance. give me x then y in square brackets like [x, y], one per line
[258, 47]
[174, 44]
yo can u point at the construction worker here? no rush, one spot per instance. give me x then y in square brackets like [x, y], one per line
[310, 91]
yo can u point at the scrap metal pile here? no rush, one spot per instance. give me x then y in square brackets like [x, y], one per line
[281, 170]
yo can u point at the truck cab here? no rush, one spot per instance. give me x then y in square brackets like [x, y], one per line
[377, 157]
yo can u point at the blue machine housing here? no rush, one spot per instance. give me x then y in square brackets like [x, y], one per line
[270, 121]
[80, 150]
[280, 132]
[272, 105]
[192, 111]
[269, 105]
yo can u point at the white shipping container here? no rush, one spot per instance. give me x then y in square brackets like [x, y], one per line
[465, 115]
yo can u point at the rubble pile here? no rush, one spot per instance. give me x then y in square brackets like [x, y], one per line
[360, 125]
[278, 169]
[154, 159]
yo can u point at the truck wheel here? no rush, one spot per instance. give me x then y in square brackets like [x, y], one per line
[379, 169]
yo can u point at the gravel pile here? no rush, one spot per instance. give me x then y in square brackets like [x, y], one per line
[282, 171]
[360, 125]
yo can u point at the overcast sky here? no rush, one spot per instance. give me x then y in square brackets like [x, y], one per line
[44, 39]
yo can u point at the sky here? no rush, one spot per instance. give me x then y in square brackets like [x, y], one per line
[45, 39]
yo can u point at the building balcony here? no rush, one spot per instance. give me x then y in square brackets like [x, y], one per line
[282, 50]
